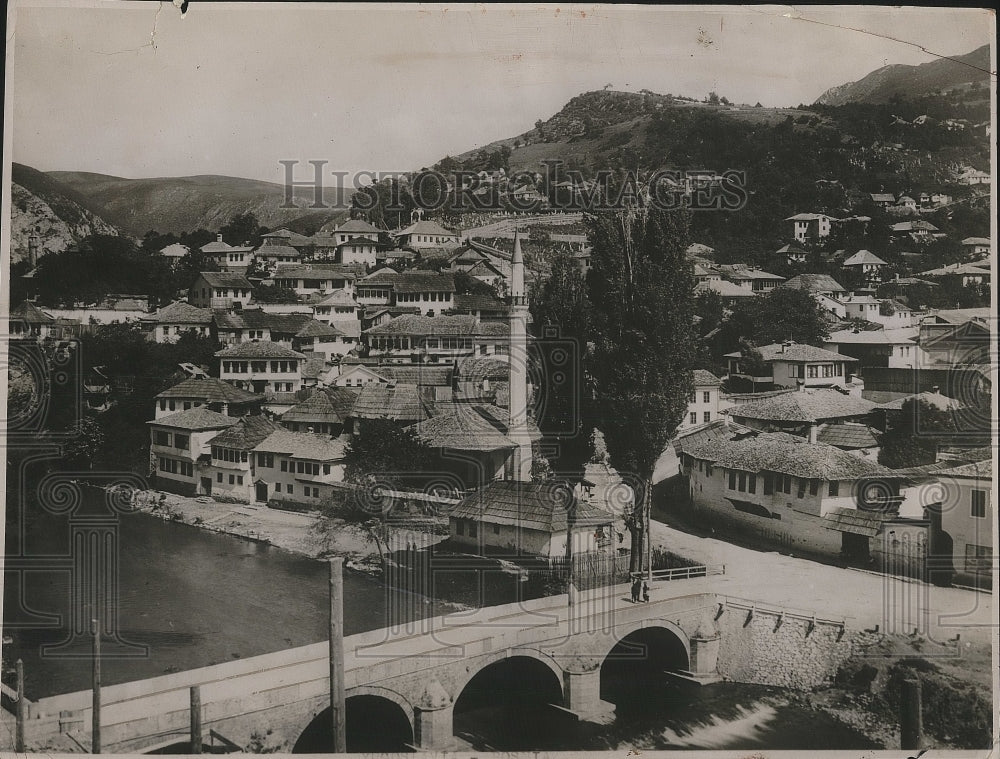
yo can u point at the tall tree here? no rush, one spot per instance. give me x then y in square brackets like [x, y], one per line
[913, 438]
[642, 290]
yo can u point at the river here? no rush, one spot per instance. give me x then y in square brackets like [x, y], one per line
[196, 598]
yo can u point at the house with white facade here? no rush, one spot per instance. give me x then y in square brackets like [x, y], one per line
[310, 279]
[178, 441]
[892, 348]
[867, 264]
[425, 291]
[791, 364]
[437, 337]
[357, 250]
[220, 290]
[962, 523]
[976, 247]
[809, 226]
[178, 318]
[261, 367]
[426, 233]
[231, 470]
[297, 467]
[703, 403]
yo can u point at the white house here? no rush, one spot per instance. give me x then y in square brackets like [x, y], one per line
[220, 290]
[261, 367]
[354, 228]
[178, 441]
[963, 522]
[976, 247]
[426, 234]
[357, 250]
[309, 279]
[297, 467]
[790, 364]
[808, 226]
[867, 263]
[703, 403]
[170, 322]
[892, 348]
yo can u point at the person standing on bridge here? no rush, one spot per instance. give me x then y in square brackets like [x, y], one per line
[645, 592]
[636, 588]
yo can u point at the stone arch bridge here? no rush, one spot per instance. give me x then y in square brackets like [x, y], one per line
[415, 679]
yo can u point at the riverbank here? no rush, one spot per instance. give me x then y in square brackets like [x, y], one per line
[288, 530]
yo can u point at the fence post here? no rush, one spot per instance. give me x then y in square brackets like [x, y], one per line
[19, 734]
[910, 717]
[195, 719]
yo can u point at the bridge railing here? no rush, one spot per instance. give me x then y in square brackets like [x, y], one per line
[684, 573]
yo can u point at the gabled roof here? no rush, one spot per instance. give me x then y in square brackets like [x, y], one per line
[425, 375]
[848, 436]
[976, 241]
[427, 227]
[356, 225]
[359, 241]
[977, 469]
[804, 406]
[226, 279]
[314, 328]
[863, 257]
[411, 281]
[329, 406]
[937, 400]
[795, 352]
[199, 418]
[258, 349]
[182, 313]
[787, 454]
[808, 217]
[479, 302]
[471, 427]
[744, 272]
[418, 324]
[883, 197]
[401, 402]
[302, 445]
[211, 390]
[901, 336]
[978, 267]
[542, 506]
[278, 251]
[245, 434]
[338, 297]
[814, 283]
[725, 288]
[703, 378]
[29, 313]
[255, 318]
[317, 271]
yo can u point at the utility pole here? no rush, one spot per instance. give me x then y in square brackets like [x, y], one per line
[910, 717]
[19, 734]
[648, 497]
[337, 701]
[195, 719]
[95, 731]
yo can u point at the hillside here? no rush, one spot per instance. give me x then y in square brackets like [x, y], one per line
[908, 82]
[56, 213]
[179, 204]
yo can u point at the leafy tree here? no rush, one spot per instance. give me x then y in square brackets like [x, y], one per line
[243, 229]
[641, 287]
[773, 318]
[274, 294]
[85, 445]
[466, 284]
[712, 99]
[912, 440]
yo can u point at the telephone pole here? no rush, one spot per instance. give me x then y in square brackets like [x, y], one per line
[337, 700]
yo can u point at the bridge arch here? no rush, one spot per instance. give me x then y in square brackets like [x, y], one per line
[378, 720]
[482, 663]
[503, 703]
[640, 658]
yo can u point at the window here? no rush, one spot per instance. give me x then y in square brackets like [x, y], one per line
[284, 466]
[813, 487]
[496, 529]
[979, 503]
[163, 404]
[707, 416]
[232, 479]
[768, 484]
[162, 438]
[290, 489]
[277, 487]
[802, 488]
[752, 483]
[326, 469]
[743, 482]
[706, 396]
[732, 480]
[459, 527]
[181, 441]
[218, 477]
[978, 558]
[691, 398]
[472, 529]
[834, 488]
[239, 479]
[265, 459]
[694, 417]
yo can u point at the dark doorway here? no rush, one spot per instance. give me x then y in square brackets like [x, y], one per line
[855, 548]
[638, 665]
[374, 725]
[506, 706]
[261, 492]
[206, 485]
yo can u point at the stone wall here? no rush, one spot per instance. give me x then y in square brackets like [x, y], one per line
[766, 648]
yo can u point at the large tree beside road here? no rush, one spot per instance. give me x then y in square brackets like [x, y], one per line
[642, 329]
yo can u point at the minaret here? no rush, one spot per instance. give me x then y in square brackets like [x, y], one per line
[518, 427]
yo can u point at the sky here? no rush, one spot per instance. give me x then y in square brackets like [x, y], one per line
[137, 90]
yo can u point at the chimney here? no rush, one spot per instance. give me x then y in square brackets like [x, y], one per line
[801, 385]
[936, 389]
[218, 237]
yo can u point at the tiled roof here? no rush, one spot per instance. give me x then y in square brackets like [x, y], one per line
[314, 328]
[401, 402]
[417, 324]
[942, 402]
[212, 390]
[278, 251]
[855, 521]
[182, 313]
[226, 279]
[804, 406]
[302, 445]
[703, 378]
[979, 267]
[725, 288]
[330, 406]
[356, 225]
[317, 271]
[901, 336]
[360, 241]
[314, 367]
[864, 257]
[258, 349]
[848, 436]
[976, 241]
[742, 271]
[412, 281]
[814, 283]
[480, 367]
[540, 506]
[29, 313]
[470, 427]
[195, 419]
[479, 302]
[795, 352]
[418, 374]
[246, 433]
[338, 297]
[980, 469]
[787, 454]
